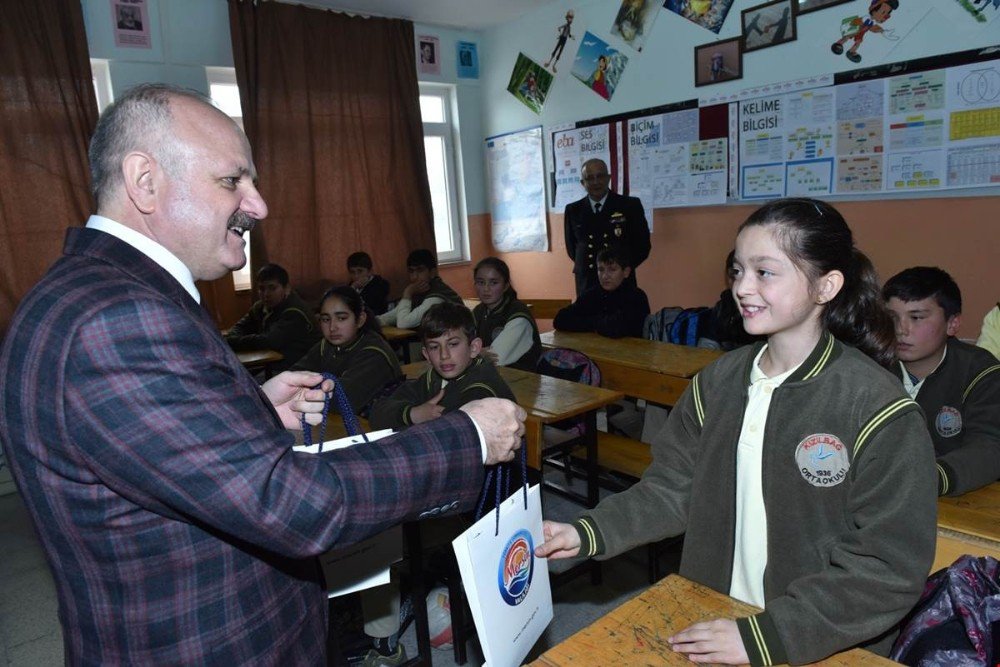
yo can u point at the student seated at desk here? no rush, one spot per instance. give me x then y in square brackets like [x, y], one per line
[373, 288]
[458, 373]
[352, 349]
[614, 308]
[424, 290]
[799, 470]
[956, 384]
[504, 324]
[279, 321]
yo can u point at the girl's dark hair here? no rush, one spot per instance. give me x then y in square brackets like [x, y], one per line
[817, 240]
[500, 267]
[356, 305]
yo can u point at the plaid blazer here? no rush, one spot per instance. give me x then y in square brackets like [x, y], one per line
[180, 526]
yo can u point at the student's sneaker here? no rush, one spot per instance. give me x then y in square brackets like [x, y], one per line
[378, 655]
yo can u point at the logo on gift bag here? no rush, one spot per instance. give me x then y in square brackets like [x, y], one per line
[516, 567]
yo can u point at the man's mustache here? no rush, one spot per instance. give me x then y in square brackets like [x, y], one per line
[242, 221]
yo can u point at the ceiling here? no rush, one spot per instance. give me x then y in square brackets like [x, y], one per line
[468, 14]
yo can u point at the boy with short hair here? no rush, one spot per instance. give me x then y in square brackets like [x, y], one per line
[373, 288]
[425, 289]
[956, 384]
[458, 373]
[279, 321]
[614, 308]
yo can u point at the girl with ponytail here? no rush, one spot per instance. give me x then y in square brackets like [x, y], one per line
[800, 472]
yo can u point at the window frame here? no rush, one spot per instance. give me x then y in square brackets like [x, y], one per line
[226, 76]
[102, 83]
[448, 130]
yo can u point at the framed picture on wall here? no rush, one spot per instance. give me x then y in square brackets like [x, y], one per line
[806, 6]
[718, 62]
[768, 25]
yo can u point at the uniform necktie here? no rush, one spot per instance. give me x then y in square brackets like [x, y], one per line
[597, 207]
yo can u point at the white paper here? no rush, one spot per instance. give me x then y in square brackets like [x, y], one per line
[365, 564]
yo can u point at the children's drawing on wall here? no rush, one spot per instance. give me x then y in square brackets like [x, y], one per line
[767, 25]
[806, 6]
[871, 33]
[635, 21]
[709, 14]
[428, 52]
[598, 65]
[530, 83]
[983, 11]
[564, 32]
[718, 62]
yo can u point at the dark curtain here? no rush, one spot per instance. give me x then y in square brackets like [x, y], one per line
[48, 110]
[331, 107]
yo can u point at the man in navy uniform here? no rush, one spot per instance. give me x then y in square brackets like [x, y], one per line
[603, 219]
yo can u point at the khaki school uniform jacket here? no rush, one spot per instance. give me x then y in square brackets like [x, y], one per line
[480, 380]
[961, 401]
[491, 323]
[364, 367]
[849, 491]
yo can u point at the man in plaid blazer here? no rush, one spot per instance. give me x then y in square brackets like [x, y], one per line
[180, 526]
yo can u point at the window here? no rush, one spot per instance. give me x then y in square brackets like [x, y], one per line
[438, 110]
[102, 83]
[225, 93]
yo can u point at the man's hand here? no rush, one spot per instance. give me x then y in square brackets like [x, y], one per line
[291, 394]
[561, 541]
[427, 411]
[715, 641]
[502, 424]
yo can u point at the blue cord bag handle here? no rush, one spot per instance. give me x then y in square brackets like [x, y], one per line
[503, 481]
[343, 406]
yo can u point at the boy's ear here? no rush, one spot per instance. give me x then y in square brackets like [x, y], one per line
[627, 271]
[423, 351]
[954, 322]
[828, 286]
[476, 346]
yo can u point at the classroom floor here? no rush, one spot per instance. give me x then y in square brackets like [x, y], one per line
[30, 635]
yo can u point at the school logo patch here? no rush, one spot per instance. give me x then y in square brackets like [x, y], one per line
[948, 422]
[517, 564]
[822, 460]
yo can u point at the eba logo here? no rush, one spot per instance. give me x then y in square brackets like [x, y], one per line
[517, 564]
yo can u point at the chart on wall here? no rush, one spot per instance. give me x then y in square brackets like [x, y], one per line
[668, 156]
[896, 128]
[672, 163]
[515, 175]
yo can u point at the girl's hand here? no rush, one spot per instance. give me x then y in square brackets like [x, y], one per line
[561, 541]
[715, 641]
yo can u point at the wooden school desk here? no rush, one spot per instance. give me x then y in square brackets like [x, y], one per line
[255, 360]
[968, 524]
[658, 372]
[636, 632]
[548, 400]
[401, 339]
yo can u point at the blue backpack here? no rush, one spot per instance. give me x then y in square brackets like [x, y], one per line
[681, 326]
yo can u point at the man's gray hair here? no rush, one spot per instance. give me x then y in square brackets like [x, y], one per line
[138, 120]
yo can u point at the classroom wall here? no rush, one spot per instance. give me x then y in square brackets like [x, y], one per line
[690, 244]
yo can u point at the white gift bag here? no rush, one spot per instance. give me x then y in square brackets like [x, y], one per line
[506, 585]
[364, 564]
